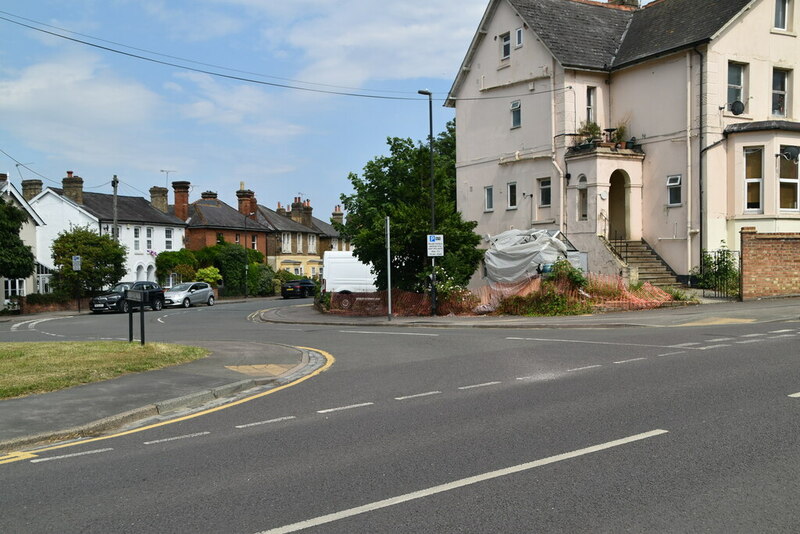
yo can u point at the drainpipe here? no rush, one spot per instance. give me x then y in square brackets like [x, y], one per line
[689, 163]
[563, 186]
[701, 142]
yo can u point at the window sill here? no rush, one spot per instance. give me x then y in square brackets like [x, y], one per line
[488, 211]
[512, 208]
[544, 206]
[673, 205]
[505, 64]
[779, 31]
[728, 115]
[515, 127]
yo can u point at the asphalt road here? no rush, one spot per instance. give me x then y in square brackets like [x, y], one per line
[448, 430]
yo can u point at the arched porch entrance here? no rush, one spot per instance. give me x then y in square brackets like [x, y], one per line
[619, 206]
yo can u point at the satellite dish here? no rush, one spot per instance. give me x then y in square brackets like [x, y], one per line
[737, 107]
[792, 153]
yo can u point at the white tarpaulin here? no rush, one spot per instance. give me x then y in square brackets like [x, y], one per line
[517, 254]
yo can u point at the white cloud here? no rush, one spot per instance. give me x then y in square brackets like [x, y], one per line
[195, 24]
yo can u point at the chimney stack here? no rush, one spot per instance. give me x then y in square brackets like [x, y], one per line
[3, 178]
[247, 202]
[628, 3]
[31, 188]
[337, 217]
[73, 187]
[307, 211]
[181, 190]
[281, 210]
[158, 198]
[297, 210]
[208, 195]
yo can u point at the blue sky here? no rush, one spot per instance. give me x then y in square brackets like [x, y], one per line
[69, 106]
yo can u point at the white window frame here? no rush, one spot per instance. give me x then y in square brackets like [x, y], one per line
[591, 104]
[583, 198]
[488, 198]
[516, 114]
[738, 87]
[237, 239]
[299, 242]
[754, 180]
[518, 38]
[335, 243]
[545, 189]
[137, 238]
[505, 46]
[674, 184]
[780, 93]
[783, 11]
[149, 233]
[286, 242]
[312, 243]
[254, 241]
[511, 194]
[168, 238]
[792, 181]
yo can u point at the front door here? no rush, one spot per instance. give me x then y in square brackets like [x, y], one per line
[617, 208]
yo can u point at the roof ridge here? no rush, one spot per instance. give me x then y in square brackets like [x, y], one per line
[607, 5]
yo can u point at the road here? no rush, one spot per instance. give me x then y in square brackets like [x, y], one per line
[448, 430]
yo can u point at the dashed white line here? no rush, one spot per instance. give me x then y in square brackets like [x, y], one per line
[418, 395]
[186, 436]
[752, 335]
[673, 353]
[750, 341]
[551, 340]
[485, 384]
[690, 344]
[456, 484]
[631, 360]
[387, 333]
[583, 368]
[781, 331]
[277, 420]
[795, 395]
[785, 335]
[718, 339]
[717, 346]
[96, 451]
[340, 408]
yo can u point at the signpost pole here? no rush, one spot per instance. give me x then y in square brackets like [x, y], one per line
[388, 268]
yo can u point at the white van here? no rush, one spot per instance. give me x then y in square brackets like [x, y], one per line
[343, 273]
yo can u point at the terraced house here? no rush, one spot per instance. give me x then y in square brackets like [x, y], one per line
[670, 126]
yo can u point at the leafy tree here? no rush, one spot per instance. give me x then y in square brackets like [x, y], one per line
[102, 261]
[210, 275]
[398, 185]
[16, 258]
[167, 262]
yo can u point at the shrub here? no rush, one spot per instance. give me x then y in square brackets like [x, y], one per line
[210, 275]
[548, 302]
[564, 272]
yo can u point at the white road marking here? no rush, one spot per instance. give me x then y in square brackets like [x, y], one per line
[720, 345]
[450, 486]
[673, 353]
[37, 460]
[781, 331]
[339, 409]
[785, 335]
[750, 341]
[278, 420]
[691, 344]
[177, 437]
[752, 335]
[418, 395]
[387, 333]
[593, 342]
[718, 339]
[485, 384]
[795, 395]
[631, 360]
[583, 368]
[31, 324]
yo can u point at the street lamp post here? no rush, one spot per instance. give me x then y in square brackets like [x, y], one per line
[433, 199]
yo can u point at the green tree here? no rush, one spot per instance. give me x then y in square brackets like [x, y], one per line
[167, 262]
[16, 258]
[398, 186]
[102, 261]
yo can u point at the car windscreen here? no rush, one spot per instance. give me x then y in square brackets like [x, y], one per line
[119, 288]
[180, 287]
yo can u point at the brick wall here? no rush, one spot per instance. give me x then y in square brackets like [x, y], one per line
[770, 264]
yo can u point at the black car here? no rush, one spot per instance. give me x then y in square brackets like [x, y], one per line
[114, 299]
[298, 288]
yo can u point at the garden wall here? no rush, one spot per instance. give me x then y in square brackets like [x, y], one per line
[770, 264]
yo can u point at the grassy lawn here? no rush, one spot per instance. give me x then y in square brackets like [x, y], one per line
[28, 368]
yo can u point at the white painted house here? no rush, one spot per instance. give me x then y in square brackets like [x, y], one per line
[144, 227]
[19, 287]
[706, 91]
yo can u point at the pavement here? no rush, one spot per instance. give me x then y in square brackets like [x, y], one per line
[236, 370]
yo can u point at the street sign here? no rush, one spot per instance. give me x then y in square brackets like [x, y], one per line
[435, 245]
[76, 263]
[135, 295]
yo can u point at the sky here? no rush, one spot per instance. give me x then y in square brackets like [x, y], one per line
[230, 91]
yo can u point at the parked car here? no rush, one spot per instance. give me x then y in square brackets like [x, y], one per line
[188, 294]
[298, 288]
[115, 298]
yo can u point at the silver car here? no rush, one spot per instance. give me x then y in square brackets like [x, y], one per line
[188, 294]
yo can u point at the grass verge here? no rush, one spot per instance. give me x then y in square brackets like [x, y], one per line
[29, 368]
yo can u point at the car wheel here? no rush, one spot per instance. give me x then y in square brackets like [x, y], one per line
[186, 303]
[157, 305]
[125, 307]
[211, 300]
[303, 293]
